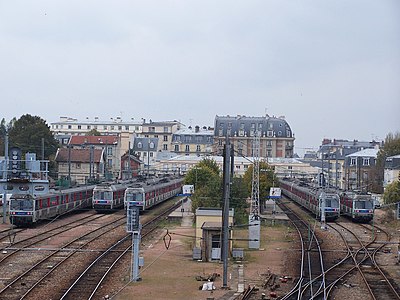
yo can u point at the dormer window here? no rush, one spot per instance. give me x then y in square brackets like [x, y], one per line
[139, 145]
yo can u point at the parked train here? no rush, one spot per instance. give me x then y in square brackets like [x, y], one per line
[311, 198]
[108, 196]
[27, 209]
[359, 207]
[145, 194]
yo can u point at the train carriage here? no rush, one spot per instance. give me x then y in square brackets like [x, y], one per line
[147, 195]
[312, 199]
[108, 197]
[28, 209]
[358, 207]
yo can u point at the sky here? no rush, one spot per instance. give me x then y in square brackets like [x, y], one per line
[331, 67]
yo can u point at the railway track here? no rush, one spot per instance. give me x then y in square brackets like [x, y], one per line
[88, 283]
[22, 285]
[312, 264]
[379, 286]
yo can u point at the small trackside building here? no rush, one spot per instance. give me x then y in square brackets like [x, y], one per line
[209, 232]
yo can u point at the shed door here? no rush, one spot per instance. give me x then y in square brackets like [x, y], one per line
[216, 247]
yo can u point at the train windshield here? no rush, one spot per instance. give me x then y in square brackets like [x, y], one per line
[331, 202]
[135, 196]
[21, 204]
[101, 195]
[368, 204]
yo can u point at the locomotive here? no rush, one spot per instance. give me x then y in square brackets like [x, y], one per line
[311, 198]
[357, 206]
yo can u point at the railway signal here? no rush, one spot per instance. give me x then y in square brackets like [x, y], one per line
[133, 226]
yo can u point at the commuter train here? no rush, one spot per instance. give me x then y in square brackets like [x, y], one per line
[311, 198]
[28, 209]
[359, 207]
[108, 196]
[146, 195]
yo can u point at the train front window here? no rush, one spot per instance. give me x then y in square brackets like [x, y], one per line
[134, 197]
[21, 204]
[331, 202]
[101, 195]
[363, 204]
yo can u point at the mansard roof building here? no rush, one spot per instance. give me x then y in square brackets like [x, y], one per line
[276, 136]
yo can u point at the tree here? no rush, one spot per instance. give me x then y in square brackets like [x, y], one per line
[93, 132]
[209, 163]
[27, 133]
[390, 147]
[207, 183]
[266, 179]
[238, 200]
[392, 193]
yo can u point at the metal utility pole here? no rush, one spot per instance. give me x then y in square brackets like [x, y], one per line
[69, 165]
[129, 161]
[254, 217]
[322, 207]
[5, 175]
[225, 212]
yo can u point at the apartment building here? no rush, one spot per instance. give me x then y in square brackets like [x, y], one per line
[276, 136]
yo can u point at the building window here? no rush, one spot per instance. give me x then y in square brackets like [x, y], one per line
[126, 127]
[353, 161]
[79, 126]
[109, 162]
[139, 145]
[187, 148]
[365, 161]
[165, 147]
[151, 154]
[152, 129]
[69, 127]
[176, 148]
[151, 145]
[166, 129]
[198, 148]
[269, 153]
[112, 127]
[88, 127]
[156, 136]
[120, 127]
[78, 165]
[105, 127]
[165, 138]
[109, 150]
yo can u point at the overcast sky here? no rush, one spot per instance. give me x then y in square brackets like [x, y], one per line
[331, 67]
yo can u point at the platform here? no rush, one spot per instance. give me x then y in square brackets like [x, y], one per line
[272, 214]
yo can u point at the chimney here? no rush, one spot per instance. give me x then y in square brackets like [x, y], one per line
[197, 128]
